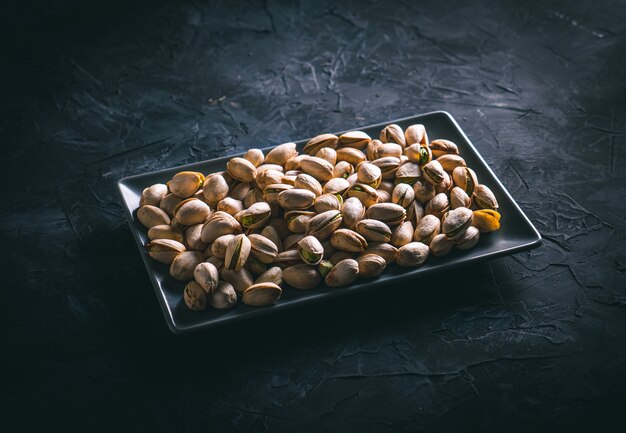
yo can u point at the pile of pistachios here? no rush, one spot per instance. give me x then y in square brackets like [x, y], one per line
[346, 208]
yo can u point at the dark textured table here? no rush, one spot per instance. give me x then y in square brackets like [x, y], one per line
[92, 93]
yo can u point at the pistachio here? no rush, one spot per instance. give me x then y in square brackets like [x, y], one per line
[311, 250]
[291, 241]
[230, 206]
[483, 198]
[220, 245]
[450, 162]
[348, 240]
[403, 194]
[393, 134]
[241, 169]
[328, 201]
[419, 154]
[384, 250]
[408, 172]
[269, 177]
[237, 252]
[169, 203]
[486, 220]
[165, 231]
[351, 155]
[271, 192]
[194, 296]
[266, 166]
[389, 149]
[402, 234]
[427, 229]
[305, 181]
[355, 139]
[459, 198]
[412, 254]
[215, 188]
[371, 150]
[445, 186]
[441, 147]
[281, 154]
[255, 156]
[207, 276]
[343, 273]
[256, 215]
[415, 212]
[319, 142]
[262, 294]
[465, 178]
[369, 174]
[218, 224]
[343, 169]
[191, 211]
[323, 225]
[287, 258]
[338, 256]
[193, 238]
[186, 183]
[440, 245]
[302, 276]
[374, 230]
[319, 168]
[469, 239]
[223, 297]
[434, 173]
[456, 223]
[353, 211]
[150, 216]
[371, 265]
[324, 267]
[241, 190]
[262, 248]
[294, 163]
[183, 265]
[416, 134]
[365, 193]
[272, 235]
[438, 206]
[390, 213]
[337, 186]
[240, 280]
[424, 191]
[383, 196]
[388, 166]
[153, 195]
[218, 262]
[296, 198]
[272, 275]
[255, 267]
[164, 250]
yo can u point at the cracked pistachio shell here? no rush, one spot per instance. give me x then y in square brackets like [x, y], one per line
[240, 280]
[486, 220]
[164, 250]
[186, 183]
[355, 139]
[239, 191]
[365, 193]
[343, 273]
[281, 154]
[324, 267]
[373, 230]
[348, 240]
[219, 224]
[390, 213]
[469, 239]
[353, 211]
[319, 142]
[241, 169]
[427, 229]
[271, 192]
[343, 169]
[456, 223]
[169, 203]
[459, 198]
[255, 156]
[419, 154]
[416, 134]
[434, 173]
[255, 195]
[369, 174]
[165, 231]
[387, 186]
[305, 181]
[219, 246]
[183, 265]
[193, 238]
[230, 206]
[337, 185]
[291, 241]
[371, 151]
[194, 296]
[287, 258]
[150, 216]
[272, 275]
[296, 198]
[262, 294]
[393, 134]
[445, 186]
[450, 162]
[311, 250]
[388, 166]
[403, 194]
[269, 177]
[440, 245]
[223, 297]
[438, 206]
[351, 155]
[272, 234]
[262, 248]
[465, 178]
[207, 276]
[412, 254]
[302, 276]
[256, 215]
[191, 211]
[483, 198]
[153, 195]
[441, 147]
[294, 163]
[297, 222]
[415, 212]
[255, 267]
[323, 225]
[328, 154]
[237, 252]
[424, 191]
[389, 149]
[215, 188]
[408, 172]
[402, 234]
[384, 250]
[371, 265]
[277, 167]
[383, 196]
[319, 168]
[328, 201]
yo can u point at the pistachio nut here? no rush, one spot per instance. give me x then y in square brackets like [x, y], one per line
[383, 196]
[387, 186]
[193, 238]
[343, 273]
[256, 215]
[169, 203]
[343, 169]
[389, 149]
[456, 223]
[365, 193]
[164, 250]
[220, 245]
[393, 134]
[324, 224]
[424, 191]
[427, 229]
[207, 276]
[255, 195]
[241, 190]
[329, 250]
[287, 258]
[218, 262]
[486, 220]
[291, 241]
[271, 192]
[165, 231]
[255, 267]
[297, 222]
[374, 230]
[338, 256]
[215, 188]
[469, 239]
[237, 252]
[348, 240]
[240, 280]
[465, 178]
[388, 166]
[337, 185]
[328, 154]
[415, 212]
[408, 172]
[445, 186]
[296, 198]
[262, 248]
[384, 250]
[311, 250]
[255, 156]
[150, 216]
[302, 276]
[419, 154]
[351, 155]
[412, 254]
[241, 169]
[178, 226]
[230, 206]
[328, 201]
[281, 154]
[319, 168]
[319, 142]
[308, 182]
[191, 211]
[440, 245]
[223, 297]
[272, 234]
[371, 265]
[450, 162]
[355, 139]
[371, 151]
[194, 296]
[434, 173]
[403, 194]
[353, 211]
[153, 195]
[441, 147]
[369, 174]
[272, 275]
[218, 224]
[324, 267]
[390, 213]
[261, 294]
[290, 177]
[269, 177]
[402, 234]
[416, 134]
[183, 265]
[459, 198]
[294, 163]
[438, 206]
[186, 183]
[265, 166]
[483, 198]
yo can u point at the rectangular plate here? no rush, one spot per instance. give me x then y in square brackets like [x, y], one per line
[517, 234]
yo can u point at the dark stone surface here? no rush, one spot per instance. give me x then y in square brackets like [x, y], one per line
[92, 93]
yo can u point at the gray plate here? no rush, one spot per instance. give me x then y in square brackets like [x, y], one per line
[517, 234]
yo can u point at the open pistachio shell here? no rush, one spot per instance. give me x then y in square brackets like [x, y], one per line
[416, 134]
[364, 193]
[402, 234]
[305, 181]
[403, 194]
[169, 203]
[336, 185]
[193, 238]
[240, 280]
[374, 230]
[165, 231]
[388, 166]
[255, 156]
[483, 198]
[319, 142]
[262, 248]
[438, 206]
[328, 201]
[389, 149]
[441, 147]
[351, 155]
[323, 225]
[348, 240]
[342, 170]
[261, 294]
[241, 169]
[237, 252]
[456, 223]
[319, 168]
[296, 198]
[191, 211]
[424, 191]
[450, 162]
[459, 198]
[393, 134]
[218, 224]
[409, 172]
[220, 245]
[311, 250]
[465, 178]
[230, 206]
[390, 213]
[256, 215]
[164, 250]
[468, 240]
[434, 173]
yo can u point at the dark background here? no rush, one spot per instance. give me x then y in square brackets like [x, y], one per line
[95, 91]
